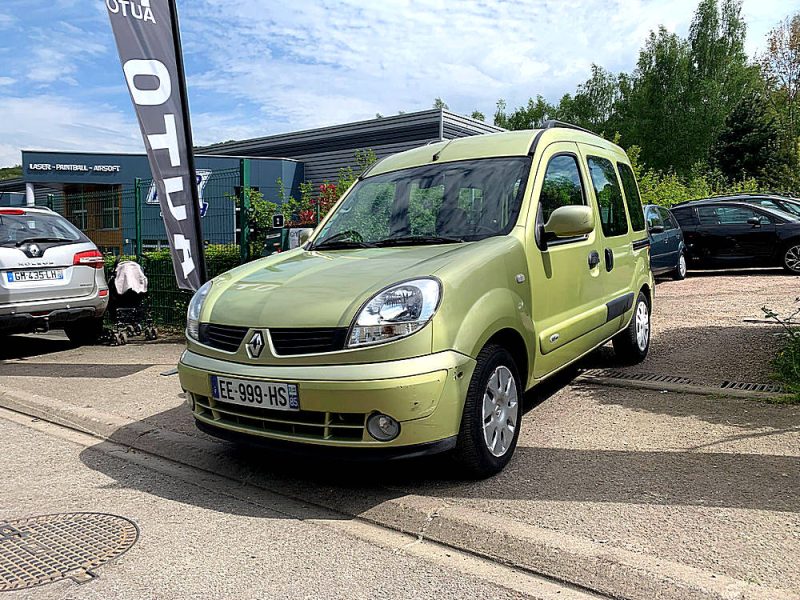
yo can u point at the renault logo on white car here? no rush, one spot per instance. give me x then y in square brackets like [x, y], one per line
[255, 345]
[34, 250]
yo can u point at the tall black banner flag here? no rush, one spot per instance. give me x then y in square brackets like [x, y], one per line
[148, 40]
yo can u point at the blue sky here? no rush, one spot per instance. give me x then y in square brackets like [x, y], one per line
[257, 67]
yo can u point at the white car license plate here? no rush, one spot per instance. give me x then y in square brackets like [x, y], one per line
[40, 275]
[264, 394]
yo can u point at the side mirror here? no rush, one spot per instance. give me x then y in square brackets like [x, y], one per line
[304, 235]
[754, 221]
[570, 221]
[656, 229]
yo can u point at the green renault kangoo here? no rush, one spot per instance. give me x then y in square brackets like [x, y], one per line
[445, 283]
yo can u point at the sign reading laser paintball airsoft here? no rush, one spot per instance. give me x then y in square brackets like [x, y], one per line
[148, 41]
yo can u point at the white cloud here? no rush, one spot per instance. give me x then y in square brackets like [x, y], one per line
[7, 81]
[51, 123]
[6, 20]
[311, 64]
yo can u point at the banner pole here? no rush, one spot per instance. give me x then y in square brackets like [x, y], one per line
[195, 196]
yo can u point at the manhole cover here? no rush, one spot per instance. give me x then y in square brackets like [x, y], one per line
[44, 549]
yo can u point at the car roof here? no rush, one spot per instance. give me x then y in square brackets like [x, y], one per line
[737, 202]
[744, 197]
[492, 145]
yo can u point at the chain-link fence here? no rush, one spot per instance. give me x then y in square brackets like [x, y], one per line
[126, 221]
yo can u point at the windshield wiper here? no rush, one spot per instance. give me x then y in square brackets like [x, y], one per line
[40, 240]
[410, 240]
[338, 241]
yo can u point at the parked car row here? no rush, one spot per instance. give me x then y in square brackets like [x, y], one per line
[739, 231]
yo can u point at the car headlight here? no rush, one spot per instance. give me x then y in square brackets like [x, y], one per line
[396, 312]
[193, 314]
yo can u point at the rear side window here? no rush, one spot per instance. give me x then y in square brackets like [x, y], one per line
[632, 197]
[609, 196]
[684, 216]
[562, 185]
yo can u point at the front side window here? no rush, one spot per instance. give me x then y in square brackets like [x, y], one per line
[632, 197]
[438, 203]
[669, 224]
[729, 215]
[654, 218]
[562, 185]
[609, 196]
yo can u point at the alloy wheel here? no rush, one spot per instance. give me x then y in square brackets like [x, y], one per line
[682, 266]
[792, 258]
[500, 411]
[642, 326]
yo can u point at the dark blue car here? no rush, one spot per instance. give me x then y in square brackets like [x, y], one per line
[667, 250]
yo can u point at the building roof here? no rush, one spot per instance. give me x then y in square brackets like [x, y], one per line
[435, 123]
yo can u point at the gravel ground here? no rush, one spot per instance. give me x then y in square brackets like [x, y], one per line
[698, 327]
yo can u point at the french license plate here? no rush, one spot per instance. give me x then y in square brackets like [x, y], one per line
[40, 275]
[264, 394]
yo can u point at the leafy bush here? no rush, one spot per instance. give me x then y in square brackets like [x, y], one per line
[667, 189]
[786, 363]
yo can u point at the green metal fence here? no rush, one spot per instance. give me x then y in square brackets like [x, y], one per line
[125, 221]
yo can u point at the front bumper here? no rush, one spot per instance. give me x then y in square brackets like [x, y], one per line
[425, 394]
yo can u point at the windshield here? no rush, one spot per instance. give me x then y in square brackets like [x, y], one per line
[18, 229]
[439, 203]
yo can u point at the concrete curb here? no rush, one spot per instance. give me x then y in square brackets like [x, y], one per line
[608, 570]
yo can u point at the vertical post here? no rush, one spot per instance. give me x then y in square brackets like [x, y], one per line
[137, 207]
[244, 209]
[50, 202]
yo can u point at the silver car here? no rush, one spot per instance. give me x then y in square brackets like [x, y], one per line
[51, 276]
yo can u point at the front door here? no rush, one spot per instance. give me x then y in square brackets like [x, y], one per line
[730, 236]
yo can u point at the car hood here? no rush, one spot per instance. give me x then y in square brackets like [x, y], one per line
[317, 288]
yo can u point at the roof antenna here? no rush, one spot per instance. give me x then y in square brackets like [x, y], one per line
[442, 149]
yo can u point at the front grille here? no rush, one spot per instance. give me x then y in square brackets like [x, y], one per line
[222, 337]
[303, 424]
[308, 341]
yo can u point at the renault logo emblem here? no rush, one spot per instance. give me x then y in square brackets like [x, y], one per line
[34, 250]
[255, 345]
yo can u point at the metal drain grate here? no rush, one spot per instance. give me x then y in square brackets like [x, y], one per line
[614, 374]
[40, 550]
[752, 387]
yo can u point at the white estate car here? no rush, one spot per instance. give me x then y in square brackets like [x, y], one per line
[51, 276]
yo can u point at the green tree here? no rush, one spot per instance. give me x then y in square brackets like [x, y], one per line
[530, 116]
[478, 115]
[748, 144]
[10, 172]
[780, 64]
[440, 104]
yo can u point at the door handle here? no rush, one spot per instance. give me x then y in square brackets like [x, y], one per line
[609, 259]
[594, 259]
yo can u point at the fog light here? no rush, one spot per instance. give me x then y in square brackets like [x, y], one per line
[383, 427]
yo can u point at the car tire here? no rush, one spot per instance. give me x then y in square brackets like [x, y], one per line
[490, 422]
[84, 332]
[679, 274]
[632, 343]
[791, 258]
